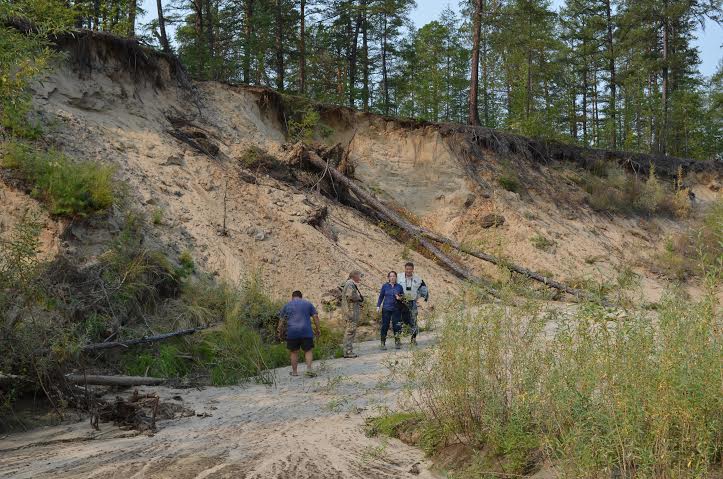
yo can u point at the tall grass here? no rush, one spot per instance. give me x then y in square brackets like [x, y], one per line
[69, 188]
[598, 395]
[611, 189]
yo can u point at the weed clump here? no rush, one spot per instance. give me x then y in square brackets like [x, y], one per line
[612, 190]
[542, 243]
[68, 188]
[698, 252]
[509, 183]
[625, 395]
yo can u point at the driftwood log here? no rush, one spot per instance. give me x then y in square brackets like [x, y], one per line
[132, 342]
[427, 237]
[123, 381]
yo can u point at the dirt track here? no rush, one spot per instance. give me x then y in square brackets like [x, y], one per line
[302, 428]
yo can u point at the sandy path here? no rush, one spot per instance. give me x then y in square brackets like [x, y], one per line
[302, 428]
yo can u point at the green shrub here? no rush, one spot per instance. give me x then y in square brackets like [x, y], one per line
[696, 253]
[542, 243]
[599, 395]
[166, 362]
[509, 183]
[255, 156]
[652, 194]
[157, 217]
[391, 424]
[69, 188]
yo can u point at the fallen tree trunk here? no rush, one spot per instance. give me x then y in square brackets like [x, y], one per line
[421, 233]
[97, 380]
[579, 293]
[312, 157]
[132, 342]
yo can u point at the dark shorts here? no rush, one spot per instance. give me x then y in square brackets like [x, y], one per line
[306, 344]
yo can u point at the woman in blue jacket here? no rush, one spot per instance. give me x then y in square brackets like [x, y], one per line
[389, 302]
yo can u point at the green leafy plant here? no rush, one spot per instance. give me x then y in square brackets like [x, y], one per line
[542, 243]
[69, 188]
[509, 183]
[634, 394]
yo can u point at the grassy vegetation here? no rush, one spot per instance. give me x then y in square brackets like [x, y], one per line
[509, 183]
[254, 156]
[49, 309]
[69, 188]
[303, 120]
[542, 243]
[695, 253]
[635, 394]
[611, 189]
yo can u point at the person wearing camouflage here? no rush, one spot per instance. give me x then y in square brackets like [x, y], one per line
[351, 300]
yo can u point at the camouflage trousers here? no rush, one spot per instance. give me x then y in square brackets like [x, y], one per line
[352, 321]
[409, 317]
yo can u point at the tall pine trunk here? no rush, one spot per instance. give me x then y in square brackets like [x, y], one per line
[385, 79]
[162, 27]
[96, 14]
[473, 116]
[302, 47]
[198, 27]
[132, 8]
[210, 39]
[612, 102]
[663, 137]
[353, 58]
[485, 77]
[365, 51]
[584, 104]
[248, 35]
[279, 46]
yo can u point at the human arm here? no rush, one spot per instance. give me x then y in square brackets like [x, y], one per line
[381, 297]
[280, 325]
[398, 292]
[317, 328]
[423, 291]
[352, 293]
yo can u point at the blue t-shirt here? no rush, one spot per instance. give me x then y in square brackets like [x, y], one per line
[387, 296]
[298, 313]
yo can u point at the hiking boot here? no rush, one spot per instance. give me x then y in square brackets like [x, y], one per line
[351, 355]
[383, 346]
[397, 343]
[413, 342]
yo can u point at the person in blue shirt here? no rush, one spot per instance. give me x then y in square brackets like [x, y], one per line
[389, 303]
[297, 315]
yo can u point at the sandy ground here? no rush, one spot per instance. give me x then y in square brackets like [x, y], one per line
[301, 428]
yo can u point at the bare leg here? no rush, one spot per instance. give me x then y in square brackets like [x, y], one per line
[294, 362]
[309, 357]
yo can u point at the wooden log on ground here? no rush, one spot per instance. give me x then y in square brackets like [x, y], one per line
[579, 293]
[132, 342]
[127, 381]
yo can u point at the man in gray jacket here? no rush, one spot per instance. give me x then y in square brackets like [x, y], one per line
[351, 300]
[414, 288]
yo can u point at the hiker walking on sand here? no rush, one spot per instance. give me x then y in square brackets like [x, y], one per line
[351, 300]
[390, 297]
[297, 315]
[414, 288]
